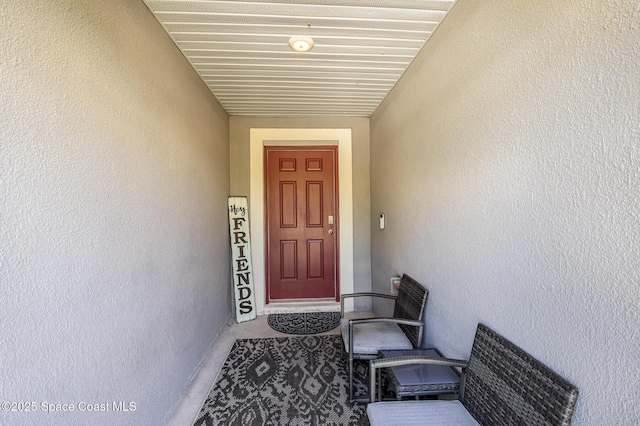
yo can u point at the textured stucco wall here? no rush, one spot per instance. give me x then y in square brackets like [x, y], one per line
[507, 161]
[239, 131]
[114, 173]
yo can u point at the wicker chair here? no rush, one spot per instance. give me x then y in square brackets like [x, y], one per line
[363, 338]
[502, 385]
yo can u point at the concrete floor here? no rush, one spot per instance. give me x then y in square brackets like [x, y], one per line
[186, 410]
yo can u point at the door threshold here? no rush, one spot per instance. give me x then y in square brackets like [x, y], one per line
[299, 306]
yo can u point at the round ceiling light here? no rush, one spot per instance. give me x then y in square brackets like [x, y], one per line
[301, 43]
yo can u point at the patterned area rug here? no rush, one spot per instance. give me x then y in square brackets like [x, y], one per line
[304, 323]
[284, 381]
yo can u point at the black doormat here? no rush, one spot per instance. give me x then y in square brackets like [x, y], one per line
[304, 323]
[298, 381]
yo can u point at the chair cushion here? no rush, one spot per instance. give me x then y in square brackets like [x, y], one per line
[430, 412]
[369, 338]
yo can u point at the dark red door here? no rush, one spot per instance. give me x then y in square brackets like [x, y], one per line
[301, 209]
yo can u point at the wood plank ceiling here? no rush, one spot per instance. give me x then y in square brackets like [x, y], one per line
[241, 51]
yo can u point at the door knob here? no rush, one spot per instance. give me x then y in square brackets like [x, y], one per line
[330, 231]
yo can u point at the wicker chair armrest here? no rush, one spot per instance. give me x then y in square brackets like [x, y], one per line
[417, 359]
[404, 321]
[348, 295]
[375, 364]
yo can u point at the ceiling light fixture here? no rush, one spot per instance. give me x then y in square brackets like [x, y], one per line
[301, 43]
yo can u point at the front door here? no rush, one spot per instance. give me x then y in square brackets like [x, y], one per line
[301, 209]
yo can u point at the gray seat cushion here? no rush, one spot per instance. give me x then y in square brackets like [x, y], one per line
[369, 338]
[409, 413]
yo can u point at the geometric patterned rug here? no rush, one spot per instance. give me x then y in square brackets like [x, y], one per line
[304, 323]
[284, 381]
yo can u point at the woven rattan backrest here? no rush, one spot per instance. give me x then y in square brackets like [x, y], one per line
[506, 386]
[410, 303]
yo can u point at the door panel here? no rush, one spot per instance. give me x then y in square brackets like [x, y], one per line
[288, 205]
[315, 253]
[301, 194]
[288, 254]
[314, 204]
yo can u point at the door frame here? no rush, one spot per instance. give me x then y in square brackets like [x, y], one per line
[336, 203]
[261, 137]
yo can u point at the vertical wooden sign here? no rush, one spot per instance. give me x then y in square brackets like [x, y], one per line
[241, 259]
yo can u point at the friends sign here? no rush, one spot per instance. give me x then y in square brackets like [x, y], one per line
[241, 259]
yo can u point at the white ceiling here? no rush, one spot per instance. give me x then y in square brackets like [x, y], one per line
[241, 51]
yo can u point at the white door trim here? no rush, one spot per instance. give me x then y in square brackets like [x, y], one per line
[259, 138]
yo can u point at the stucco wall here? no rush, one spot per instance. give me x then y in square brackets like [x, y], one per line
[507, 162]
[239, 131]
[113, 238]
